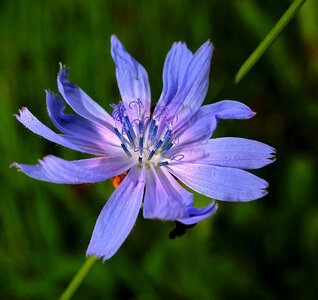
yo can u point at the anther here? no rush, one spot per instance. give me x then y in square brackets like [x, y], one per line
[130, 138]
[162, 163]
[166, 148]
[130, 128]
[119, 136]
[126, 150]
[167, 136]
[152, 153]
[153, 131]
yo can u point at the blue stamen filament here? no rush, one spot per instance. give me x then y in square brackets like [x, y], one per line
[167, 147]
[123, 143]
[141, 140]
[162, 163]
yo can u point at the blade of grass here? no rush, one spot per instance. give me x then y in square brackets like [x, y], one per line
[268, 40]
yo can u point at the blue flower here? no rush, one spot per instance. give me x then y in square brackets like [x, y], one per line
[155, 148]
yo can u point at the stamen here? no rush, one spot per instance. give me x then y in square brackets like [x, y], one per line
[141, 127]
[123, 143]
[152, 153]
[129, 127]
[162, 163]
[167, 136]
[130, 138]
[121, 138]
[126, 150]
[153, 131]
[141, 140]
[167, 147]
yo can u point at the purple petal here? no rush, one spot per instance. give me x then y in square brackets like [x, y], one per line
[165, 199]
[118, 216]
[80, 102]
[33, 124]
[230, 152]
[57, 170]
[194, 87]
[202, 125]
[195, 214]
[226, 184]
[132, 81]
[89, 136]
[174, 69]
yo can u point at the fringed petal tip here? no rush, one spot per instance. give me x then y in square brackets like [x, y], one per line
[272, 156]
[15, 165]
[209, 45]
[49, 93]
[63, 68]
[63, 77]
[22, 111]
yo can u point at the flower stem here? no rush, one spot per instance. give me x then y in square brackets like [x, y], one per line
[265, 44]
[269, 39]
[78, 278]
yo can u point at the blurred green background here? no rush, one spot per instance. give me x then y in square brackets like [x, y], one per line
[267, 249]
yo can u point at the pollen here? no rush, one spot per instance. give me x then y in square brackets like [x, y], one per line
[118, 179]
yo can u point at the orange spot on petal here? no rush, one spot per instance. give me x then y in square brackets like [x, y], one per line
[118, 179]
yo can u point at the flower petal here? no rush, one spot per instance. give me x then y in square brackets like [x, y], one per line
[194, 86]
[230, 152]
[58, 170]
[90, 136]
[174, 69]
[202, 125]
[226, 184]
[118, 216]
[132, 81]
[32, 123]
[165, 198]
[80, 102]
[195, 214]
[230, 109]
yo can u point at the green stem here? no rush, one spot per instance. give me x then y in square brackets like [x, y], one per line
[269, 39]
[78, 278]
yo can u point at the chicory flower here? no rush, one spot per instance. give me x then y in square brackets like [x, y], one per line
[154, 148]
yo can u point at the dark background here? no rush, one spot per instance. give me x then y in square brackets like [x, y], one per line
[267, 249]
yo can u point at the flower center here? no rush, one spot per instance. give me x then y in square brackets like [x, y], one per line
[148, 140]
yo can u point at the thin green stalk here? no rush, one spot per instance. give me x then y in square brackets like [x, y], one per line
[78, 278]
[269, 39]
